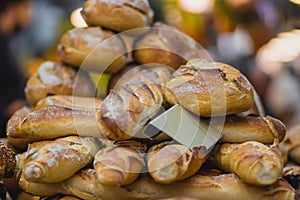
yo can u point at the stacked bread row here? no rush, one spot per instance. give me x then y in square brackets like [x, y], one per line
[71, 143]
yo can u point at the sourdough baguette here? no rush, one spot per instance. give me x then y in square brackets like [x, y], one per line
[238, 128]
[84, 185]
[53, 122]
[168, 163]
[54, 78]
[252, 161]
[120, 164]
[55, 161]
[209, 89]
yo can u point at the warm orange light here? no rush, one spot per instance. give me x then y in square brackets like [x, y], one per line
[196, 6]
[295, 1]
[77, 20]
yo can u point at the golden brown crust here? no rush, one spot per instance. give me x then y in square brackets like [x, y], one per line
[97, 49]
[53, 122]
[239, 128]
[210, 89]
[168, 163]
[123, 114]
[84, 185]
[165, 45]
[55, 161]
[118, 15]
[252, 161]
[53, 78]
[72, 102]
[138, 74]
[120, 164]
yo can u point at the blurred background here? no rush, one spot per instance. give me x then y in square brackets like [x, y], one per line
[259, 37]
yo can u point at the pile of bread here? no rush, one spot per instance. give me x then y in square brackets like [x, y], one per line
[73, 145]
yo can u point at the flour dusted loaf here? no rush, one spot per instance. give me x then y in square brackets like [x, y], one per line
[118, 15]
[97, 49]
[119, 164]
[168, 163]
[210, 89]
[252, 161]
[54, 78]
[165, 45]
[55, 161]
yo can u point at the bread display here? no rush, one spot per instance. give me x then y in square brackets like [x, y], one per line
[165, 45]
[170, 163]
[118, 15]
[71, 144]
[97, 49]
[54, 78]
[120, 164]
[252, 161]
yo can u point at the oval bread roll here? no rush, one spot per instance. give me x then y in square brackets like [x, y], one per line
[210, 89]
[168, 163]
[118, 15]
[120, 164]
[54, 78]
[58, 160]
[93, 48]
[291, 144]
[252, 161]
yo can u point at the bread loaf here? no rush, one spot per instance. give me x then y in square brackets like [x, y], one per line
[165, 45]
[118, 15]
[168, 163]
[84, 185]
[72, 102]
[252, 161]
[53, 78]
[210, 89]
[239, 128]
[58, 160]
[119, 164]
[92, 48]
[53, 122]
[124, 113]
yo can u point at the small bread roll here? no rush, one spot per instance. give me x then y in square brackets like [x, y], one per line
[168, 163]
[85, 185]
[210, 89]
[165, 45]
[118, 15]
[53, 122]
[240, 128]
[72, 102]
[120, 164]
[58, 160]
[7, 162]
[53, 78]
[93, 48]
[124, 113]
[252, 161]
